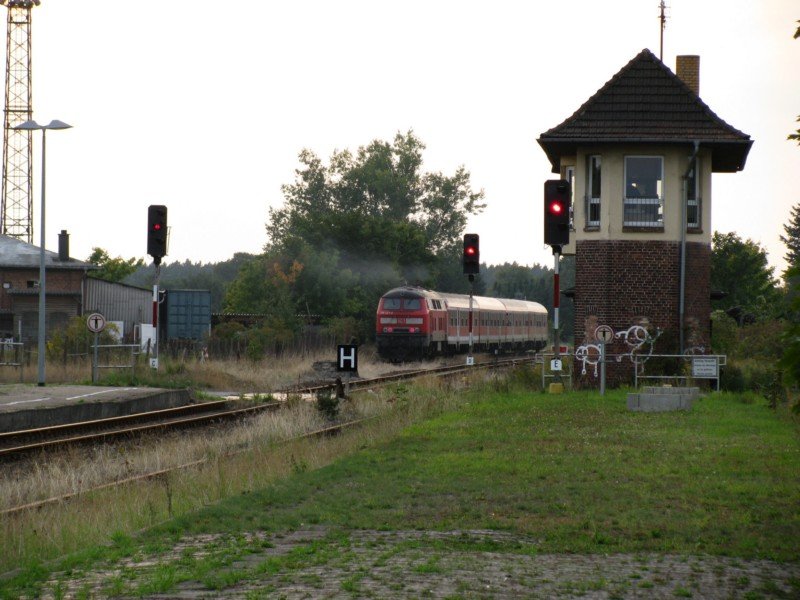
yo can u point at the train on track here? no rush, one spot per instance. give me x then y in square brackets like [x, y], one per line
[414, 323]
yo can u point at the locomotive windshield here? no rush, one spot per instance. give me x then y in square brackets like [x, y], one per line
[401, 304]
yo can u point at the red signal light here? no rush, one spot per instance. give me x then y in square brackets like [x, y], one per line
[556, 208]
[157, 227]
[470, 250]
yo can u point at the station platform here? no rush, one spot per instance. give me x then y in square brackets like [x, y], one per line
[30, 406]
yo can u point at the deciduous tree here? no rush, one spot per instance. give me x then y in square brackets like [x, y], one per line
[740, 269]
[113, 269]
[360, 224]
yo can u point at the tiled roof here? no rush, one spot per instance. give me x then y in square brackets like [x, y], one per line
[645, 102]
[17, 254]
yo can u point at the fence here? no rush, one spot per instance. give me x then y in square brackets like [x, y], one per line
[12, 355]
[124, 356]
[547, 373]
[703, 366]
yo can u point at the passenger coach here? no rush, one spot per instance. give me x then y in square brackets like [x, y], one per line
[413, 322]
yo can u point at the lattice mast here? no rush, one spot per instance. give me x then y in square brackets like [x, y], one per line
[16, 214]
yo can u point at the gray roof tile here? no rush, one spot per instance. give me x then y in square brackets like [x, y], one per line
[16, 254]
[646, 102]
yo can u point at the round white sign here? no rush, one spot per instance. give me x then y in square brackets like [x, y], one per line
[95, 322]
[604, 333]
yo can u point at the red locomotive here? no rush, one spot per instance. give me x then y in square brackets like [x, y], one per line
[413, 322]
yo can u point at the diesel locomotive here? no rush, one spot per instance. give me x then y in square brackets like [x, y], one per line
[414, 323]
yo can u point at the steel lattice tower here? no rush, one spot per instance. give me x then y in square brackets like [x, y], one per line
[16, 210]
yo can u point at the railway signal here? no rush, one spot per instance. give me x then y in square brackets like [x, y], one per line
[557, 200]
[157, 232]
[472, 254]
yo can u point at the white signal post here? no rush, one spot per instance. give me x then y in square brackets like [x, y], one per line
[556, 304]
[154, 359]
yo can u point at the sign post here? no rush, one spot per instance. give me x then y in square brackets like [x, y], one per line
[95, 323]
[604, 335]
[347, 362]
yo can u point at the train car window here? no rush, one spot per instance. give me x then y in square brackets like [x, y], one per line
[411, 304]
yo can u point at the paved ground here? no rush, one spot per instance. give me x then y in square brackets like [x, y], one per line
[25, 407]
[17, 397]
[418, 564]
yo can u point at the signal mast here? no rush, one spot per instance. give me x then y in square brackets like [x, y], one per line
[16, 214]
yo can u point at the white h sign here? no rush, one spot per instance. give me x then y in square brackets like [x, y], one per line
[347, 358]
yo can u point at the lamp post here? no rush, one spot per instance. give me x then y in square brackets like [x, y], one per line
[31, 126]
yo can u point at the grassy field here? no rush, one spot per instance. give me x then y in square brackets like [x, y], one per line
[514, 474]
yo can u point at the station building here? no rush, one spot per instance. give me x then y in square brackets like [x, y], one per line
[640, 154]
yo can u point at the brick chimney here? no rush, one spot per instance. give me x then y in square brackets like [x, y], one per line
[687, 68]
[63, 246]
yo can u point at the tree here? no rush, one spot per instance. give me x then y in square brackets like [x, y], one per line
[375, 205]
[792, 238]
[113, 269]
[791, 338]
[796, 136]
[361, 224]
[740, 269]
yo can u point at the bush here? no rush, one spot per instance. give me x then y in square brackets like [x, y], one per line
[762, 340]
[731, 379]
[328, 404]
[769, 383]
[525, 377]
[724, 334]
[75, 338]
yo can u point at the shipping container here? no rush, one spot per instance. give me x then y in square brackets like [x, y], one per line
[185, 315]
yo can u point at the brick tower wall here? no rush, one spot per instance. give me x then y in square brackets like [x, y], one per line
[627, 283]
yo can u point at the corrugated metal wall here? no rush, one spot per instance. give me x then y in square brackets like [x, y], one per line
[118, 302]
[187, 315]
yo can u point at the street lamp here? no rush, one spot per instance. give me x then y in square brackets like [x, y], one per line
[30, 126]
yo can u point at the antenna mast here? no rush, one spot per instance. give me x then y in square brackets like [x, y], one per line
[663, 18]
[15, 211]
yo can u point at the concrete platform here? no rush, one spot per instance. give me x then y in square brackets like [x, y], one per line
[30, 406]
[663, 399]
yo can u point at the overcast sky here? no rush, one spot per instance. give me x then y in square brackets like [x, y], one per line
[203, 106]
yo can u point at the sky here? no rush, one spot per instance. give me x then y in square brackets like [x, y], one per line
[204, 106]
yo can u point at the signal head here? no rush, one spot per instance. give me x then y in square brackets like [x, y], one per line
[471, 260]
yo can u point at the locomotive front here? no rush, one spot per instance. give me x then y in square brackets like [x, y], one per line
[401, 326]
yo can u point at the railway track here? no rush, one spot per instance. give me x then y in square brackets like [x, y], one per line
[81, 432]
[20, 443]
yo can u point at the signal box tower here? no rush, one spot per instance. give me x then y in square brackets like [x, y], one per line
[16, 217]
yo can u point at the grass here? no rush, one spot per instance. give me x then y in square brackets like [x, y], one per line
[572, 473]
[243, 375]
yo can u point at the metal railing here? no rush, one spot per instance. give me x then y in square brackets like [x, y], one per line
[566, 368]
[11, 354]
[703, 366]
[118, 352]
[643, 212]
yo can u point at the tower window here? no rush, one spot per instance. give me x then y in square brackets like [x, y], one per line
[693, 196]
[593, 195]
[644, 193]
